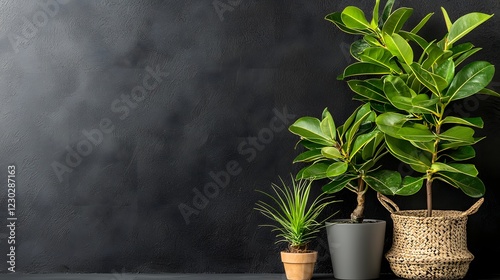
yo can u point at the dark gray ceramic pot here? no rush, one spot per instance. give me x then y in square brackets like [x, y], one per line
[356, 250]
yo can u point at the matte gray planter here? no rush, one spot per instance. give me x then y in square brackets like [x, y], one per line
[356, 250]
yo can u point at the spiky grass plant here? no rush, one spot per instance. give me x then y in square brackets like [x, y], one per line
[296, 220]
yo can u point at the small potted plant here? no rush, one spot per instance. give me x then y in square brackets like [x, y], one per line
[346, 157]
[295, 221]
[412, 83]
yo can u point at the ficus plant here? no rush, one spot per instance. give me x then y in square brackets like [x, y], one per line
[347, 156]
[412, 83]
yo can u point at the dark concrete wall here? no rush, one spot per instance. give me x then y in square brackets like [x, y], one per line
[116, 113]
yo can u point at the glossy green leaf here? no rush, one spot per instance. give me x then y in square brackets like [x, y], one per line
[464, 168]
[362, 113]
[337, 184]
[475, 122]
[330, 152]
[433, 82]
[464, 25]
[336, 169]
[336, 19]
[357, 47]
[365, 68]
[458, 134]
[390, 183]
[354, 18]
[460, 154]
[396, 20]
[415, 38]
[308, 156]
[367, 90]
[361, 141]
[315, 171]
[487, 91]
[421, 24]
[379, 56]
[310, 129]
[471, 186]
[390, 123]
[407, 153]
[426, 146]
[374, 21]
[327, 125]
[399, 47]
[386, 12]
[447, 19]
[461, 49]
[466, 55]
[446, 145]
[470, 80]
[435, 54]
[446, 70]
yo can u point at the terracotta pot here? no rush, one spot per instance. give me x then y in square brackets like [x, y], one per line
[299, 266]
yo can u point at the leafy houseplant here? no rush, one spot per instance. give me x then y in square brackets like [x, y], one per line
[412, 83]
[295, 223]
[346, 157]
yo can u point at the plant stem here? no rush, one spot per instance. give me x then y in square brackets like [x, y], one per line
[428, 188]
[358, 214]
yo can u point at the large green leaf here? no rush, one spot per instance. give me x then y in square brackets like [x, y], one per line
[475, 122]
[357, 47]
[331, 152]
[362, 113]
[396, 20]
[327, 125]
[380, 56]
[365, 68]
[447, 19]
[446, 70]
[460, 154]
[390, 183]
[415, 38]
[308, 156]
[390, 123]
[464, 25]
[336, 18]
[421, 23]
[336, 169]
[367, 90]
[470, 80]
[433, 82]
[458, 134]
[399, 47]
[310, 128]
[471, 186]
[314, 171]
[407, 153]
[375, 15]
[464, 168]
[338, 183]
[354, 18]
[361, 141]
[466, 55]
[386, 12]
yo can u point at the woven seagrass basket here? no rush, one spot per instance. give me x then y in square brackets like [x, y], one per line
[429, 247]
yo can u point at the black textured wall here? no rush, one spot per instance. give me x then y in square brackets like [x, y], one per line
[119, 116]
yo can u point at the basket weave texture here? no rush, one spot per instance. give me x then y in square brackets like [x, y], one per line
[429, 247]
